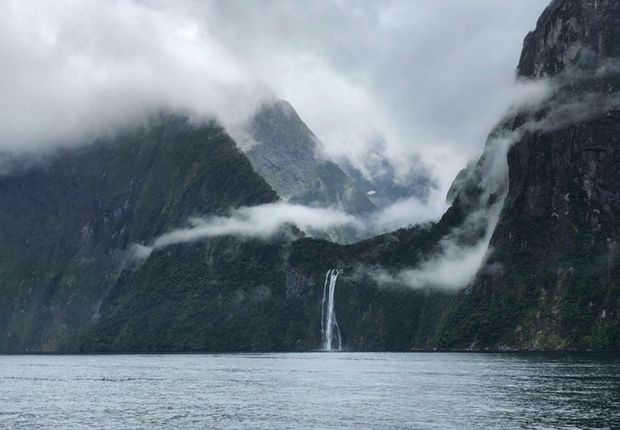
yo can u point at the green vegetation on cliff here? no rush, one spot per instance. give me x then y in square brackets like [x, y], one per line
[65, 225]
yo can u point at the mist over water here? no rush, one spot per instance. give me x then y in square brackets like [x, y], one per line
[311, 391]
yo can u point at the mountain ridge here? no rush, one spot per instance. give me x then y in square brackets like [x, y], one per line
[67, 223]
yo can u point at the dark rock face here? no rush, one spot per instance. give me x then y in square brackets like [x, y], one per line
[286, 151]
[297, 283]
[555, 283]
[570, 32]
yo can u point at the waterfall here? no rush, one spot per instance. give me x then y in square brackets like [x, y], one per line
[329, 325]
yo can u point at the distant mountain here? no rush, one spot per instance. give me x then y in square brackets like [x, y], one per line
[293, 161]
[383, 185]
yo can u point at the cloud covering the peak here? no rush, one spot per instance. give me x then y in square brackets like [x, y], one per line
[427, 79]
[73, 70]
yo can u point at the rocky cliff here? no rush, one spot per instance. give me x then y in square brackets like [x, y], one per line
[551, 279]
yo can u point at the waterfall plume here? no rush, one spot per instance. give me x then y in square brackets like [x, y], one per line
[329, 325]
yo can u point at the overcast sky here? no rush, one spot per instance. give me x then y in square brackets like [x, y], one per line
[427, 77]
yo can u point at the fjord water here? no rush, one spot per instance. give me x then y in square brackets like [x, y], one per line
[311, 391]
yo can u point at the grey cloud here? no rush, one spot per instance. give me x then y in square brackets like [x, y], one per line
[261, 222]
[429, 78]
[75, 70]
[265, 221]
[454, 269]
[455, 263]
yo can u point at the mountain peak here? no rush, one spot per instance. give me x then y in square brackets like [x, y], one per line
[569, 32]
[293, 161]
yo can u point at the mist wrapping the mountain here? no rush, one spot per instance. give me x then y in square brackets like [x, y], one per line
[258, 222]
[190, 176]
[73, 71]
[453, 270]
[457, 260]
[266, 221]
[455, 265]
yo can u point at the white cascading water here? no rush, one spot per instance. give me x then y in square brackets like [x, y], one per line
[329, 325]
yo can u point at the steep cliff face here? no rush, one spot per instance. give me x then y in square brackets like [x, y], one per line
[570, 32]
[65, 226]
[67, 282]
[551, 280]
